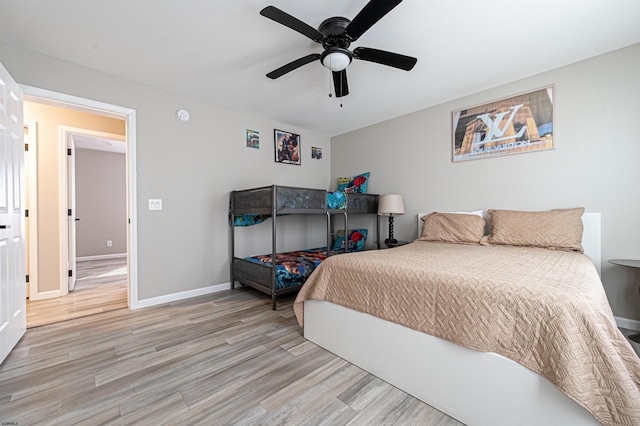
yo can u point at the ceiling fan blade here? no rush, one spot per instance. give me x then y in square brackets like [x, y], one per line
[293, 65]
[340, 83]
[287, 20]
[383, 57]
[369, 15]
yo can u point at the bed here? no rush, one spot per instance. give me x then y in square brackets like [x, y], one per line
[567, 364]
[291, 269]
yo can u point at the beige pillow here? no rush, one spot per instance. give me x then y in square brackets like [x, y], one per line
[554, 229]
[452, 228]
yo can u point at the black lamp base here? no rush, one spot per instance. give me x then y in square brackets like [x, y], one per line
[390, 242]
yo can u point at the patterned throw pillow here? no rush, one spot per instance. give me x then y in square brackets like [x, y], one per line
[354, 184]
[453, 227]
[355, 242]
[336, 200]
[558, 229]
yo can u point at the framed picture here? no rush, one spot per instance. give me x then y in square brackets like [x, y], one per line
[253, 139]
[515, 125]
[316, 153]
[287, 147]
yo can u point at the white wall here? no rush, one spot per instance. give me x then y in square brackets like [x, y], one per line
[101, 202]
[191, 166]
[594, 164]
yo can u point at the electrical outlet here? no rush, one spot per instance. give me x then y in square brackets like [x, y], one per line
[109, 243]
[155, 204]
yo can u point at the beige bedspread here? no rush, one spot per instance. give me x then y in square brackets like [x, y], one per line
[544, 309]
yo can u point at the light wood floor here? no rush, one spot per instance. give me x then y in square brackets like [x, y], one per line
[101, 286]
[225, 358]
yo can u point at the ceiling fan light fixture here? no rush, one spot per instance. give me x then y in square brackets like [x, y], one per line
[336, 59]
[336, 35]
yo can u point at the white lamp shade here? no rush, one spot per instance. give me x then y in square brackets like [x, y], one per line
[390, 205]
[336, 61]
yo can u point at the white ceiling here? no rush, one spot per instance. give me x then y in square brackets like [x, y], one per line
[99, 144]
[220, 50]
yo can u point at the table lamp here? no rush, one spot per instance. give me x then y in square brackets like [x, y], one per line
[390, 205]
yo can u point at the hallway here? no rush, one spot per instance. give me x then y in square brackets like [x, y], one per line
[101, 286]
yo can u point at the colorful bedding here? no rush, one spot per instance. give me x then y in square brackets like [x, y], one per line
[293, 268]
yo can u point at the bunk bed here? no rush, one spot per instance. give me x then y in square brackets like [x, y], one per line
[291, 269]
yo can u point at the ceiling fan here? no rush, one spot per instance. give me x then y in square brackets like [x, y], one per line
[336, 34]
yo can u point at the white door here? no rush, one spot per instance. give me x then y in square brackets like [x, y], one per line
[71, 206]
[13, 303]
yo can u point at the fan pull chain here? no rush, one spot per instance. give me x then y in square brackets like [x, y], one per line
[330, 77]
[341, 91]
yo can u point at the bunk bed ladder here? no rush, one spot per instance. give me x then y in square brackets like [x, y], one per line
[328, 233]
[346, 231]
[273, 248]
[232, 222]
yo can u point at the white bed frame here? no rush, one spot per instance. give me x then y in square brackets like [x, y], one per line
[476, 388]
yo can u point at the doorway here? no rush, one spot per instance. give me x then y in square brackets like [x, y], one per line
[96, 190]
[55, 286]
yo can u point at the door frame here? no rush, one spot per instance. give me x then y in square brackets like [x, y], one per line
[63, 100]
[31, 181]
[66, 190]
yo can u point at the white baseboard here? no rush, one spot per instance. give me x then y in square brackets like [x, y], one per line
[174, 297]
[101, 257]
[629, 324]
[46, 295]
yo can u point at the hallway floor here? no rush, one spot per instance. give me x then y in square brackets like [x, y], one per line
[101, 287]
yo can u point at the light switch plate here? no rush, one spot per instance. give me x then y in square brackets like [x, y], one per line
[155, 204]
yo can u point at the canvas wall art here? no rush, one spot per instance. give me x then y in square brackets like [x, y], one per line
[253, 139]
[514, 125]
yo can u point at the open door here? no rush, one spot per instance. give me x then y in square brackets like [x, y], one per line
[71, 213]
[13, 298]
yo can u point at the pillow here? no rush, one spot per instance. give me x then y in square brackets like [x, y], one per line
[452, 228]
[356, 240]
[354, 184]
[554, 229]
[336, 200]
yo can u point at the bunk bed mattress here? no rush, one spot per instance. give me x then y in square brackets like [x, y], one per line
[292, 268]
[544, 309]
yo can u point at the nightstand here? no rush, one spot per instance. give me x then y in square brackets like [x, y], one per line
[631, 263]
